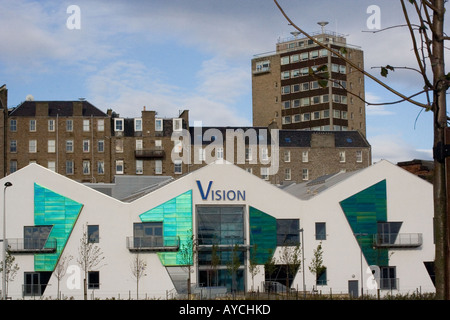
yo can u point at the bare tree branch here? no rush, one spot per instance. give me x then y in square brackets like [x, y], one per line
[351, 63]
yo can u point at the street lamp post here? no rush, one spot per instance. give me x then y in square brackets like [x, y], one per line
[303, 264]
[5, 246]
[358, 235]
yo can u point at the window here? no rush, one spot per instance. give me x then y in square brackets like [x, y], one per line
[304, 102]
[305, 174]
[51, 165]
[34, 283]
[101, 167]
[314, 54]
[285, 89]
[316, 115]
[119, 167]
[287, 174]
[35, 237]
[86, 167]
[287, 232]
[264, 154]
[262, 66]
[139, 166]
[158, 143]
[305, 86]
[86, 145]
[138, 124]
[158, 166]
[69, 145]
[32, 146]
[12, 166]
[177, 167]
[51, 146]
[248, 154]
[177, 124]
[13, 146]
[118, 125]
[69, 167]
[13, 125]
[51, 125]
[321, 277]
[388, 278]
[287, 156]
[286, 120]
[265, 173]
[158, 125]
[359, 156]
[93, 235]
[295, 58]
[33, 125]
[321, 232]
[306, 116]
[201, 154]
[100, 125]
[69, 125]
[86, 125]
[219, 153]
[285, 75]
[284, 60]
[295, 88]
[304, 56]
[139, 144]
[94, 280]
[286, 104]
[342, 156]
[148, 234]
[101, 145]
[295, 73]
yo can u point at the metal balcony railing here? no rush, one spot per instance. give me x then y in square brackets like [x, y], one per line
[153, 244]
[397, 240]
[149, 153]
[32, 245]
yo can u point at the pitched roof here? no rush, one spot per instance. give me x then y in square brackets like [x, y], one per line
[60, 108]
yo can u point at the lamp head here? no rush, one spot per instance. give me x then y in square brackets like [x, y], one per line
[8, 184]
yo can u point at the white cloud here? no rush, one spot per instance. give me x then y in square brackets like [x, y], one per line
[395, 149]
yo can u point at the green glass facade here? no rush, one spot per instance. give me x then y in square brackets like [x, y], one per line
[59, 212]
[363, 211]
[176, 216]
[263, 234]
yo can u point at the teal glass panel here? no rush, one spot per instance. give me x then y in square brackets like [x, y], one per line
[61, 213]
[263, 234]
[363, 210]
[176, 216]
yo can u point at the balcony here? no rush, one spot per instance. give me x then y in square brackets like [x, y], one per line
[153, 244]
[397, 240]
[149, 154]
[32, 245]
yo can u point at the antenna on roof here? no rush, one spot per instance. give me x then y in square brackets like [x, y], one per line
[82, 99]
[295, 33]
[322, 24]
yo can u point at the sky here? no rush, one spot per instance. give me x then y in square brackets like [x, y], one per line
[174, 55]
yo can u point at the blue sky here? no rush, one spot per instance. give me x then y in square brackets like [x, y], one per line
[173, 55]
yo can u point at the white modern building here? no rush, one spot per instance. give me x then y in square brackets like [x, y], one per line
[379, 218]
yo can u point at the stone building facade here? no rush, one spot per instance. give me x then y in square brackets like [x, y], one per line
[76, 139]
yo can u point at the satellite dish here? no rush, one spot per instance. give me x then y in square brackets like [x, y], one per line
[29, 98]
[322, 24]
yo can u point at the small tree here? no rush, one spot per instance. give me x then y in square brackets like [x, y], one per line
[89, 257]
[11, 269]
[316, 267]
[253, 266]
[60, 271]
[291, 258]
[188, 252]
[215, 261]
[233, 265]
[138, 267]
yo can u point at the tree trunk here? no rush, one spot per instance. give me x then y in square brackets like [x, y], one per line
[440, 186]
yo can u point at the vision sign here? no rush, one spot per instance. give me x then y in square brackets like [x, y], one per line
[220, 194]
